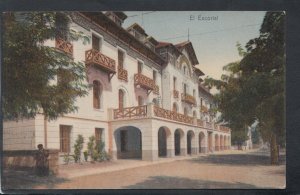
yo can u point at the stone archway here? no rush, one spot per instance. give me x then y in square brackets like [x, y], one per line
[217, 143]
[190, 137]
[179, 142]
[129, 142]
[202, 143]
[164, 141]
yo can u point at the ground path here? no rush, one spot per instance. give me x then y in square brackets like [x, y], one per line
[231, 169]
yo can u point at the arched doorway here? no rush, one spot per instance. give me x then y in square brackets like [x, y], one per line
[129, 142]
[217, 142]
[190, 139]
[221, 142]
[163, 141]
[202, 148]
[178, 141]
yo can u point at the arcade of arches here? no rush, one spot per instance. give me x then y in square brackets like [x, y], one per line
[129, 142]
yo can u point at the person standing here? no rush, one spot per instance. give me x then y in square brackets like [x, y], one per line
[42, 164]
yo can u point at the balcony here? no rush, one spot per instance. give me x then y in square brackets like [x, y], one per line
[175, 93]
[94, 57]
[64, 46]
[130, 112]
[122, 74]
[188, 99]
[171, 115]
[143, 81]
[204, 109]
[152, 111]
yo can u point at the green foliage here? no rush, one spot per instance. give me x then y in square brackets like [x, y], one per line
[67, 158]
[96, 150]
[86, 155]
[255, 136]
[77, 148]
[253, 88]
[30, 67]
[92, 148]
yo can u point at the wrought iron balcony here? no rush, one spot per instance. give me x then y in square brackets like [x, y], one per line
[188, 98]
[64, 46]
[122, 74]
[175, 94]
[94, 57]
[143, 81]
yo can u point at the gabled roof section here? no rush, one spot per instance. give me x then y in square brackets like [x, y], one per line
[119, 32]
[198, 71]
[138, 28]
[190, 49]
[167, 44]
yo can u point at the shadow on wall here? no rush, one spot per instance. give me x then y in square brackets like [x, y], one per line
[25, 179]
[250, 159]
[167, 182]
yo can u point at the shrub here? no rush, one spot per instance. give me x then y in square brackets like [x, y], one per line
[85, 154]
[67, 158]
[77, 148]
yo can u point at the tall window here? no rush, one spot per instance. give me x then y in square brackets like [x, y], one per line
[64, 137]
[194, 114]
[184, 70]
[174, 83]
[201, 102]
[120, 59]
[121, 99]
[194, 92]
[98, 135]
[140, 67]
[185, 111]
[174, 109]
[184, 88]
[96, 94]
[96, 42]
[140, 100]
[154, 76]
[124, 137]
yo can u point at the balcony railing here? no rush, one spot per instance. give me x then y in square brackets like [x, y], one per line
[175, 93]
[102, 61]
[156, 89]
[122, 74]
[200, 123]
[130, 112]
[64, 46]
[204, 109]
[188, 98]
[143, 81]
[153, 111]
[208, 125]
[171, 115]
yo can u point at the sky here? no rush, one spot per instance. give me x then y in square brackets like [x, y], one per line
[214, 34]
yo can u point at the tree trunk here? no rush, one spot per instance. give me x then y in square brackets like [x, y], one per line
[274, 150]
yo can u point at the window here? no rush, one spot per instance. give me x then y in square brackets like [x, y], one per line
[140, 67]
[184, 89]
[140, 100]
[194, 92]
[121, 99]
[120, 59]
[185, 111]
[124, 137]
[174, 83]
[64, 137]
[96, 94]
[96, 42]
[201, 102]
[155, 101]
[184, 70]
[98, 135]
[175, 109]
[154, 76]
[194, 114]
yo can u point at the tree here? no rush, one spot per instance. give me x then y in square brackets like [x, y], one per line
[254, 90]
[30, 67]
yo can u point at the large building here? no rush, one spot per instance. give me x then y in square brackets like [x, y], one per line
[146, 99]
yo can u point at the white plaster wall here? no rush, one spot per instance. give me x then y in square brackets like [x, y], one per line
[19, 135]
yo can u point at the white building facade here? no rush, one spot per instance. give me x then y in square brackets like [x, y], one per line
[146, 100]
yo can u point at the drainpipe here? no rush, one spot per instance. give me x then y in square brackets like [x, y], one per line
[45, 132]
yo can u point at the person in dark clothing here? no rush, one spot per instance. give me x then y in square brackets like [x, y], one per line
[42, 164]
